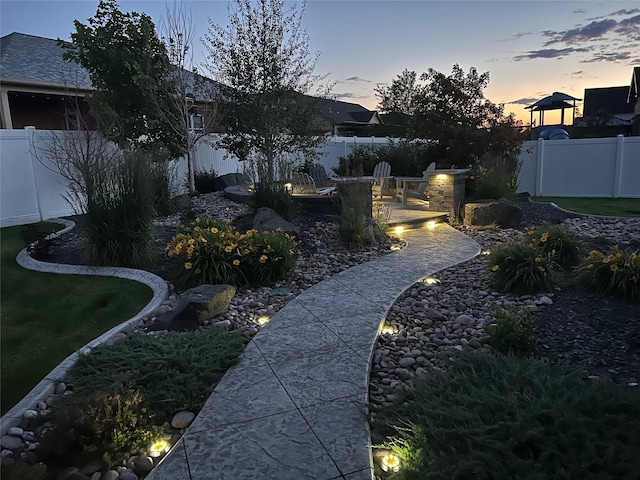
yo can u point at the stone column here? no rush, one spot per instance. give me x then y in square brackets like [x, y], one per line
[445, 191]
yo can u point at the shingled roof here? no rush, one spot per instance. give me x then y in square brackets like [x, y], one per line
[345, 112]
[38, 60]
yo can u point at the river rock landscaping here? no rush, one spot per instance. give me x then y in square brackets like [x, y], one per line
[425, 327]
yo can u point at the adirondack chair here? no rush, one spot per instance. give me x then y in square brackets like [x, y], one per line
[319, 175]
[405, 192]
[382, 173]
[303, 184]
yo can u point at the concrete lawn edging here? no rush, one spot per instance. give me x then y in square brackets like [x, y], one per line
[46, 387]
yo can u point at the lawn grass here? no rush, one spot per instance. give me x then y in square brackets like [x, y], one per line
[614, 207]
[46, 317]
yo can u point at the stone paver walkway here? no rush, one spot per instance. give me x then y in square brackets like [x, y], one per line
[294, 407]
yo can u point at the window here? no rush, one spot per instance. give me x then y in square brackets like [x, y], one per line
[197, 122]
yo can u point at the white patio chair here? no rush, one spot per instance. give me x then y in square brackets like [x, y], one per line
[382, 174]
[303, 184]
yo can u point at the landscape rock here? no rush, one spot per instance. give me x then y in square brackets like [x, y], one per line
[502, 213]
[266, 219]
[143, 465]
[11, 442]
[182, 419]
[110, 475]
[128, 474]
[196, 305]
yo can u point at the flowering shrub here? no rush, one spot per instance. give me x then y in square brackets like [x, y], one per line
[213, 251]
[617, 273]
[521, 268]
[554, 240]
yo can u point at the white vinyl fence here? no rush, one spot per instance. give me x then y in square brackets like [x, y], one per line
[602, 167]
[586, 167]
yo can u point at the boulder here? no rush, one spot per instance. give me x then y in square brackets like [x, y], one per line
[224, 181]
[182, 419]
[267, 219]
[196, 305]
[491, 212]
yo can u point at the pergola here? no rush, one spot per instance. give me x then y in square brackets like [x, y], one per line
[556, 101]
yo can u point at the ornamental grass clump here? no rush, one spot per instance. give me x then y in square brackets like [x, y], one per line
[513, 330]
[213, 251]
[520, 268]
[563, 245]
[617, 273]
[505, 417]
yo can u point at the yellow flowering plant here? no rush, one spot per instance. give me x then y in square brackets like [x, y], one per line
[615, 273]
[562, 244]
[213, 251]
[521, 268]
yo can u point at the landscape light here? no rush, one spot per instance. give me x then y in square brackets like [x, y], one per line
[390, 462]
[263, 320]
[399, 229]
[441, 176]
[159, 447]
[486, 252]
[431, 280]
[288, 187]
[431, 225]
[388, 330]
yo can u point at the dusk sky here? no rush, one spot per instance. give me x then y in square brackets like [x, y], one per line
[531, 48]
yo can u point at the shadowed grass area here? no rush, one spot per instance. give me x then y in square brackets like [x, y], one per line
[614, 207]
[46, 317]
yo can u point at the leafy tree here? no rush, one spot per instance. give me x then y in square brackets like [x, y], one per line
[398, 97]
[128, 67]
[263, 55]
[197, 98]
[462, 124]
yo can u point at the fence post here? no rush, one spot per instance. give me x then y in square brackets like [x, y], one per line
[33, 158]
[539, 167]
[617, 178]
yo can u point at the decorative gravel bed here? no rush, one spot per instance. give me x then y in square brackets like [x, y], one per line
[430, 321]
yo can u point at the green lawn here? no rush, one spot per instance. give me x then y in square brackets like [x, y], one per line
[46, 317]
[614, 207]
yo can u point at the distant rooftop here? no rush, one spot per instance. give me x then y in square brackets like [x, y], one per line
[28, 58]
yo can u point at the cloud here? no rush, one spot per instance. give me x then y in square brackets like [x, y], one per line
[524, 101]
[593, 30]
[357, 79]
[602, 39]
[347, 96]
[549, 53]
[577, 73]
[608, 57]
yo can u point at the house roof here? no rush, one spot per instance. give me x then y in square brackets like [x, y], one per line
[611, 99]
[634, 88]
[32, 60]
[345, 112]
[38, 60]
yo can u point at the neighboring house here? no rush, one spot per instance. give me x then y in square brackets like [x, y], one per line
[348, 119]
[611, 111]
[37, 86]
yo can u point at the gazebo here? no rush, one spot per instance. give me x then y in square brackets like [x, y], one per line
[556, 101]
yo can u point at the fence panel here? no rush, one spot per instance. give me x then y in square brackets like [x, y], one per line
[601, 167]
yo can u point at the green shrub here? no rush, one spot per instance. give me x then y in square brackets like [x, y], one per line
[120, 213]
[351, 228]
[564, 246]
[205, 181]
[617, 273]
[512, 331]
[504, 417]
[519, 268]
[276, 197]
[363, 158]
[173, 372]
[494, 184]
[212, 251]
[104, 424]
